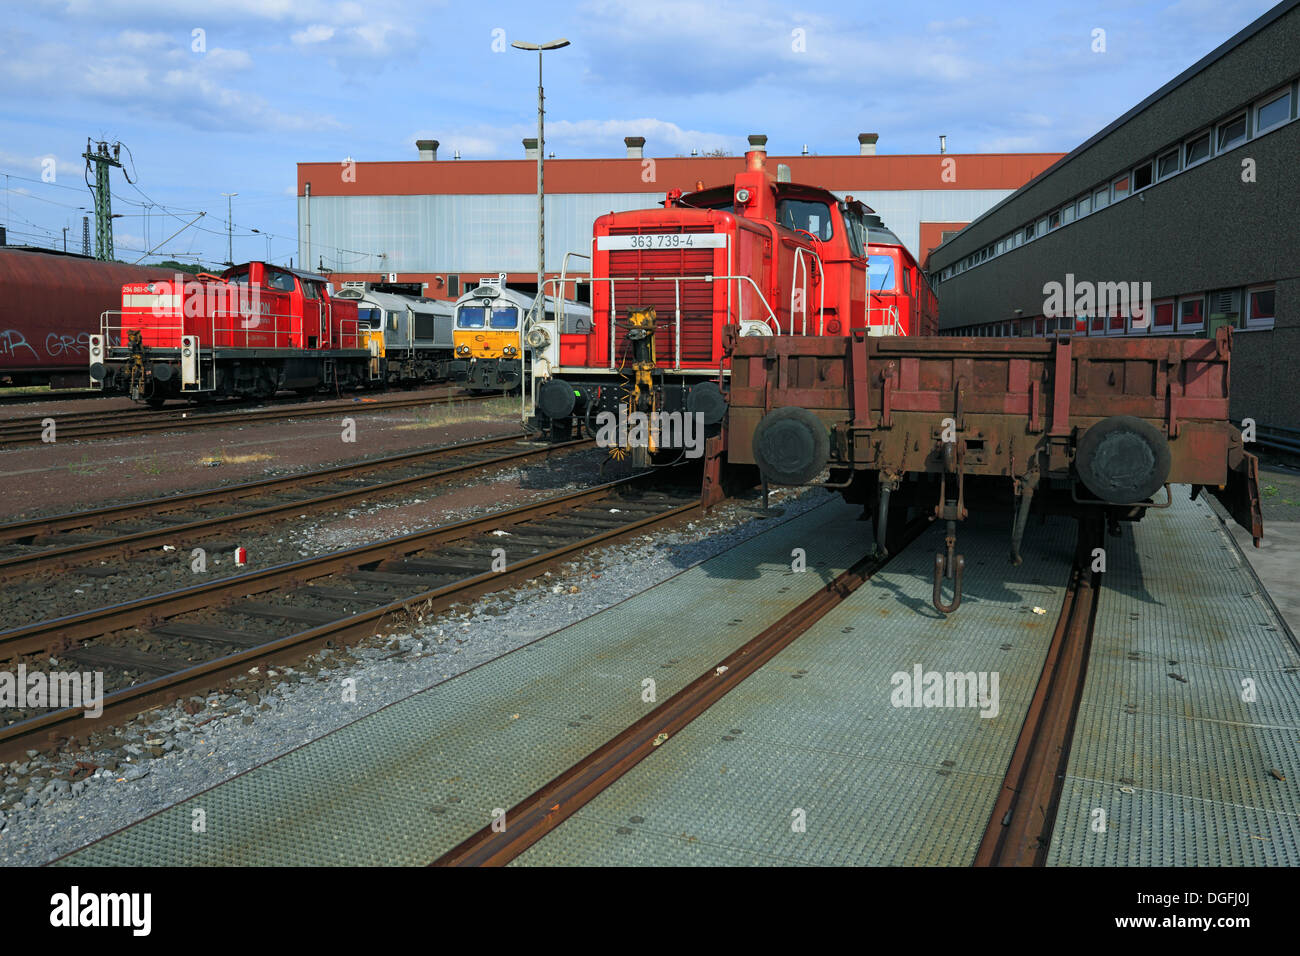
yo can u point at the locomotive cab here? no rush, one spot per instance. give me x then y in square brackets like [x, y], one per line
[488, 337]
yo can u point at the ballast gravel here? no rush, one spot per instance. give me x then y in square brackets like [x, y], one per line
[51, 804]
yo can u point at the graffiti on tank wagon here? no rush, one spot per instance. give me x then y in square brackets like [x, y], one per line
[11, 340]
[57, 346]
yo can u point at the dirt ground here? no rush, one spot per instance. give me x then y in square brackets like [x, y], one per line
[74, 474]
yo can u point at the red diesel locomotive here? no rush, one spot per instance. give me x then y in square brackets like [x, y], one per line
[250, 332]
[763, 255]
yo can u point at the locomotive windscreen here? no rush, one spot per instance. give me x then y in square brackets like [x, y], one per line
[882, 273]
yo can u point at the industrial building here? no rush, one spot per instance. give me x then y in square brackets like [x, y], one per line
[441, 223]
[1190, 198]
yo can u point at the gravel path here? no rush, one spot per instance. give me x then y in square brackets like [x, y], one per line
[73, 474]
[49, 808]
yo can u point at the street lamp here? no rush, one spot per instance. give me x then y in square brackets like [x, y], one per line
[541, 152]
[268, 244]
[230, 247]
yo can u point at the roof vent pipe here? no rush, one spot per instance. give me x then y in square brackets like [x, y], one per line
[428, 149]
[867, 143]
[530, 147]
[635, 146]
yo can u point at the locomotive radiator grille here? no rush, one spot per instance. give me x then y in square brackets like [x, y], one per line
[697, 318]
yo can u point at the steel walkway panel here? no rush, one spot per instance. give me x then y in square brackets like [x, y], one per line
[409, 782]
[815, 730]
[1171, 762]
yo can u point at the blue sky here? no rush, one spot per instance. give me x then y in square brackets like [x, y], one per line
[278, 82]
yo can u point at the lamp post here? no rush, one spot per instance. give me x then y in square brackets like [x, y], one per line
[541, 152]
[230, 240]
[268, 245]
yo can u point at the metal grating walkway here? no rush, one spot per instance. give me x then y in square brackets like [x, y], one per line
[814, 730]
[406, 784]
[1165, 745]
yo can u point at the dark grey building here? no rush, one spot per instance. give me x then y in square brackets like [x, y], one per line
[1192, 197]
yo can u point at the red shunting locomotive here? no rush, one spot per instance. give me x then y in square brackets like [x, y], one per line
[252, 331]
[763, 255]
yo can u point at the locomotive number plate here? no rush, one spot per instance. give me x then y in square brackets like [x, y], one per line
[670, 240]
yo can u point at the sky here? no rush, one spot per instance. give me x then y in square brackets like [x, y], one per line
[228, 97]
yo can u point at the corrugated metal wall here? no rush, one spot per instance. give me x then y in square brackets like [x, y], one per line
[491, 233]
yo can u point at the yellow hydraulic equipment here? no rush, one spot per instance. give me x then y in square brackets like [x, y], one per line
[641, 396]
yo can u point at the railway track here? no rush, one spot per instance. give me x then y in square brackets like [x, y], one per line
[61, 395]
[53, 544]
[549, 806]
[140, 421]
[1019, 828]
[156, 649]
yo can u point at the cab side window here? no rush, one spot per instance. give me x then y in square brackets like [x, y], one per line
[279, 281]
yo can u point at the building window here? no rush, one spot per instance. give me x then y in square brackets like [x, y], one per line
[1101, 198]
[1231, 133]
[1191, 314]
[1198, 148]
[1117, 324]
[1164, 320]
[1167, 164]
[1067, 214]
[1142, 176]
[1119, 188]
[453, 286]
[1041, 228]
[1039, 327]
[1273, 112]
[1259, 308]
[1097, 326]
[1029, 232]
[1054, 220]
[1085, 206]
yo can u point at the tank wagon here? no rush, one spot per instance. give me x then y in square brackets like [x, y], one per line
[1089, 427]
[769, 257]
[50, 305]
[250, 332]
[413, 335]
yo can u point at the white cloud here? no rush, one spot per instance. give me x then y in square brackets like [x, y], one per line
[18, 163]
[568, 138]
[316, 33]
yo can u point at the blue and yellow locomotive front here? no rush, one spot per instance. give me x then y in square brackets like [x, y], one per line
[488, 337]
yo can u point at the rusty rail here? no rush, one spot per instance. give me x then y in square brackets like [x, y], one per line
[544, 810]
[94, 425]
[59, 556]
[1020, 828]
[48, 728]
